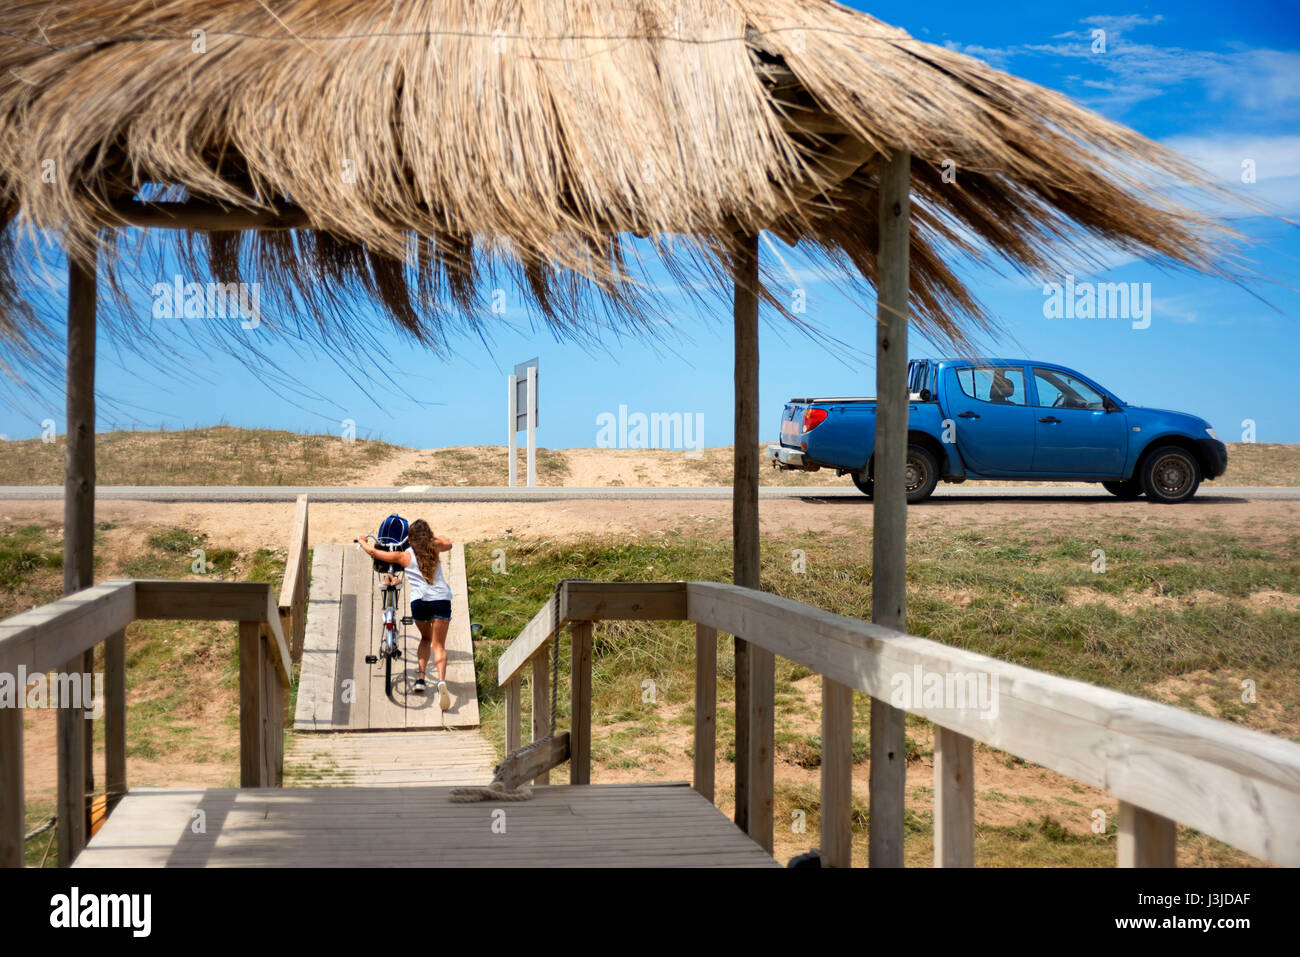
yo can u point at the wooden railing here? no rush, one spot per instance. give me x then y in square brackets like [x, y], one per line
[57, 635]
[1164, 765]
[293, 592]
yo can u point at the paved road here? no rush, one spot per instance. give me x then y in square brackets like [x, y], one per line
[425, 493]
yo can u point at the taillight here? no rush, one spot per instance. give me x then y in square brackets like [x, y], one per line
[813, 418]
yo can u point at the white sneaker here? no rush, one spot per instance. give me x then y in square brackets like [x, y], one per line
[444, 696]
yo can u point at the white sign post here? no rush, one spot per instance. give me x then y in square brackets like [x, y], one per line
[522, 388]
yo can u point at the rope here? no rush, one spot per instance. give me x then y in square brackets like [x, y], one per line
[496, 790]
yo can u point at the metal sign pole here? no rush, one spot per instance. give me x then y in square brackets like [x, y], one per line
[532, 426]
[514, 425]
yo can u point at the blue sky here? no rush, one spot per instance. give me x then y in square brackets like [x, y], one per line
[1218, 81]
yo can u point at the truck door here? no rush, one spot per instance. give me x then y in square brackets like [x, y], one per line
[994, 424]
[1074, 434]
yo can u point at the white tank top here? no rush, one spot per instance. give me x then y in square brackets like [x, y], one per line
[421, 588]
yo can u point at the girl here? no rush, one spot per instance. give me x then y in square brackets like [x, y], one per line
[430, 598]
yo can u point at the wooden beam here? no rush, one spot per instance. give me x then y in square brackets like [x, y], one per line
[535, 762]
[833, 167]
[580, 715]
[204, 217]
[531, 641]
[51, 635]
[79, 460]
[706, 707]
[954, 799]
[115, 716]
[762, 745]
[293, 590]
[274, 704]
[252, 695]
[837, 775]
[623, 601]
[1146, 839]
[744, 498]
[71, 808]
[12, 796]
[541, 689]
[514, 715]
[204, 601]
[889, 505]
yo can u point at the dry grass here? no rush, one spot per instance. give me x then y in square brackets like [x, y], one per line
[431, 145]
[1268, 464]
[483, 465]
[217, 456]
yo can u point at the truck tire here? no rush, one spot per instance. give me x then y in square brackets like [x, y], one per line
[922, 474]
[1127, 489]
[1170, 475]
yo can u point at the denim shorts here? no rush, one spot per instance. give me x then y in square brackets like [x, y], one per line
[422, 610]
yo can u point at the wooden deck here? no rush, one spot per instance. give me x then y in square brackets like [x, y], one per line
[388, 759]
[618, 825]
[343, 613]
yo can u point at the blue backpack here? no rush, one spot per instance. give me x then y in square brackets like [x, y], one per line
[394, 536]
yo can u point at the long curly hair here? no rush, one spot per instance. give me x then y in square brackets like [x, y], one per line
[426, 553]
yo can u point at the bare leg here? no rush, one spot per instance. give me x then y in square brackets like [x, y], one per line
[439, 647]
[426, 642]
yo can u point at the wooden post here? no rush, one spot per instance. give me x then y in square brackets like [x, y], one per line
[79, 462]
[274, 705]
[954, 799]
[88, 753]
[12, 824]
[542, 705]
[74, 758]
[71, 810]
[889, 506]
[115, 717]
[837, 774]
[580, 717]
[514, 715]
[252, 739]
[744, 498]
[706, 704]
[1146, 839]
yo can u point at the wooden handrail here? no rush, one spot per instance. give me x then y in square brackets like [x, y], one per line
[46, 638]
[1162, 763]
[293, 592]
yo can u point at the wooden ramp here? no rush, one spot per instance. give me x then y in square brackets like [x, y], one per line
[612, 825]
[388, 759]
[338, 690]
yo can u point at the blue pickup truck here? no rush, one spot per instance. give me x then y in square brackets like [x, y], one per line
[1008, 420]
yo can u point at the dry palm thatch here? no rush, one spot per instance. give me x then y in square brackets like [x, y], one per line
[429, 142]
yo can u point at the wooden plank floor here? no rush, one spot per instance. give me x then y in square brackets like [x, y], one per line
[388, 759]
[617, 825]
[338, 690]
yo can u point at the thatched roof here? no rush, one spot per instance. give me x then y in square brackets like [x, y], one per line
[426, 140]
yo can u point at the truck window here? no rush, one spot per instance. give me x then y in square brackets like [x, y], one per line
[1057, 390]
[1003, 385]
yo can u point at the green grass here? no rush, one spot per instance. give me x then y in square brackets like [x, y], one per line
[1012, 594]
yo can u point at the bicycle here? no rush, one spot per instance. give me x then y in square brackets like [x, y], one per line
[389, 647]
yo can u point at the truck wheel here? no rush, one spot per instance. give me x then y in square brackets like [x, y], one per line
[1127, 489]
[864, 484]
[922, 474]
[1170, 475]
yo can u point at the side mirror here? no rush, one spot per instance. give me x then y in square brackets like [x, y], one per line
[925, 395]
[1108, 404]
